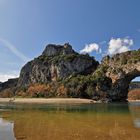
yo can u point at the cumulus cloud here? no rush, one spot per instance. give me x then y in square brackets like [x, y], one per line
[5, 76]
[14, 50]
[119, 45]
[90, 48]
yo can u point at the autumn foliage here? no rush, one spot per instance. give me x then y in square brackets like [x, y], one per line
[7, 93]
[38, 90]
[134, 94]
[61, 91]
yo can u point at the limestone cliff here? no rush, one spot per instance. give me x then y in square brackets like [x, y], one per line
[121, 68]
[61, 72]
[57, 62]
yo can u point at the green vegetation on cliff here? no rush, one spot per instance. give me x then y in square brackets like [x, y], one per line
[62, 72]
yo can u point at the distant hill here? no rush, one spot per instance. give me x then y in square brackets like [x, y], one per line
[134, 85]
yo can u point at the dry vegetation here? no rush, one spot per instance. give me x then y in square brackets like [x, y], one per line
[71, 89]
[134, 94]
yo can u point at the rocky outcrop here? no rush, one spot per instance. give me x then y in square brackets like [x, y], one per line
[69, 74]
[53, 50]
[56, 63]
[121, 68]
[11, 83]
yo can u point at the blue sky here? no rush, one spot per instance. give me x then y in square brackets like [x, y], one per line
[27, 26]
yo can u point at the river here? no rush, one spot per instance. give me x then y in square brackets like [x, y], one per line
[70, 122]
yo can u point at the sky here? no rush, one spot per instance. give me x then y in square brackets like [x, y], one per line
[97, 27]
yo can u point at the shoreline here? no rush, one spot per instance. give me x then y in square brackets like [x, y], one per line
[47, 100]
[52, 100]
[133, 101]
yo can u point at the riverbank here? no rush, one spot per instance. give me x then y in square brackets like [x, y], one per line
[133, 101]
[52, 100]
[47, 101]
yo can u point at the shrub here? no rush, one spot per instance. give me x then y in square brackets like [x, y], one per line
[37, 90]
[90, 91]
[7, 93]
[134, 94]
[61, 91]
[21, 93]
[70, 57]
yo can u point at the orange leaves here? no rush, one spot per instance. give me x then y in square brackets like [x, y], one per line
[37, 90]
[134, 94]
[61, 91]
[7, 93]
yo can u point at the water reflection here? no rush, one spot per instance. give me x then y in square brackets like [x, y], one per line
[135, 112]
[6, 130]
[137, 123]
[73, 122]
[97, 108]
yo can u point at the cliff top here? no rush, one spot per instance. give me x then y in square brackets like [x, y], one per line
[52, 49]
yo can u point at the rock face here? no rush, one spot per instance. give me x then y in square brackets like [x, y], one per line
[121, 68]
[8, 84]
[67, 73]
[53, 50]
[57, 62]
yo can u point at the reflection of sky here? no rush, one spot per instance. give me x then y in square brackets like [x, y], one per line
[135, 112]
[137, 123]
[6, 130]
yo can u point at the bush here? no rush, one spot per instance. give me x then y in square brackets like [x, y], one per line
[7, 93]
[21, 93]
[134, 94]
[70, 57]
[37, 90]
[90, 91]
[61, 91]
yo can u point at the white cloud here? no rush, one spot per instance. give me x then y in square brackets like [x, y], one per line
[5, 76]
[14, 50]
[119, 45]
[90, 48]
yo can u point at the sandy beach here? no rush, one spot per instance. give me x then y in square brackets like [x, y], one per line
[51, 100]
[133, 101]
[47, 101]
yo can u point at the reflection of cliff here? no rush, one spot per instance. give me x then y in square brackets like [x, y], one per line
[61, 125]
[135, 112]
[82, 122]
[6, 130]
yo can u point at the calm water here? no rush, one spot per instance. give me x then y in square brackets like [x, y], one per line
[70, 122]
